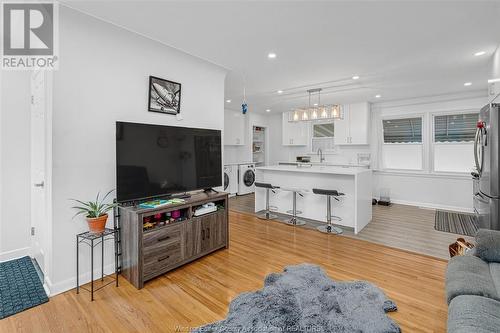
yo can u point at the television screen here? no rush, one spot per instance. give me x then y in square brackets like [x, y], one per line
[155, 160]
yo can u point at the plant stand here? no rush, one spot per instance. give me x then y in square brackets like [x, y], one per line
[92, 240]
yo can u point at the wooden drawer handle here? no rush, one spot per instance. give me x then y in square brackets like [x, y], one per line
[163, 238]
[163, 258]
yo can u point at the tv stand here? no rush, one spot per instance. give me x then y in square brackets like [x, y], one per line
[157, 240]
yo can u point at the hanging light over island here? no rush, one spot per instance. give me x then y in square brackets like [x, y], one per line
[317, 111]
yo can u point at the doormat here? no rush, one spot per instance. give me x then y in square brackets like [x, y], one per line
[20, 287]
[456, 223]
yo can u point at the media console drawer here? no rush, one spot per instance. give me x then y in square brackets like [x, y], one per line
[167, 234]
[155, 261]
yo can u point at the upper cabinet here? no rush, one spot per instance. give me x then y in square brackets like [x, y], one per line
[294, 133]
[234, 128]
[354, 129]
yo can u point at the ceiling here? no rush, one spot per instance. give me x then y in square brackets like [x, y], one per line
[399, 49]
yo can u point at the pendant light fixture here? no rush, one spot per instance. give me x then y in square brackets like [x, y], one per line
[316, 111]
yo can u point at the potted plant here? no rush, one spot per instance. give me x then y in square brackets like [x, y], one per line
[95, 212]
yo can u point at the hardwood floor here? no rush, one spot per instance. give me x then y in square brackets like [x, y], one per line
[404, 227]
[200, 292]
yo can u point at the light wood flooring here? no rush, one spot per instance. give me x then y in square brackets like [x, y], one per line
[200, 292]
[404, 227]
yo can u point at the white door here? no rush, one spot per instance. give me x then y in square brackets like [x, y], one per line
[38, 165]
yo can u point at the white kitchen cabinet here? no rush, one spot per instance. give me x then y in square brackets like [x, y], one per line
[234, 128]
[354, 129]
[294, 133]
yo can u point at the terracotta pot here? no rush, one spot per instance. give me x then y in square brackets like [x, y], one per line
[97, 224]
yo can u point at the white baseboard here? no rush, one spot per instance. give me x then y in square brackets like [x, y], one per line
[14, 254]
[433, 206]
[68, 284]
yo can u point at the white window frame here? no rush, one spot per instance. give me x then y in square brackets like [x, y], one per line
[433, 143]
[332, 151]
[424, 142]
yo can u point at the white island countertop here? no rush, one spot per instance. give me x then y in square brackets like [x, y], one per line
[354, 207]
[317, 169]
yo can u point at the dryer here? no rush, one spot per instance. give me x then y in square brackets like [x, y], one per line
[231, 179]
[246, 178]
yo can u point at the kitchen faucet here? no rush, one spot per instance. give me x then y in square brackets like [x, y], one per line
[320, 153]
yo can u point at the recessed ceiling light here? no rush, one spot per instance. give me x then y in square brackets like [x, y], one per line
[268, 110]
[355, 77]
[271, 55]
[378, 96]
[315, 104]
[228, 101]
[468, 84]
[480, 53]
[280, 91]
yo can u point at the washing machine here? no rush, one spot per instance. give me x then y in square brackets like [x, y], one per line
[246, 178]
[231, 179]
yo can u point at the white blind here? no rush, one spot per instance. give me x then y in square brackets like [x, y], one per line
[403, 130]
[455, 128]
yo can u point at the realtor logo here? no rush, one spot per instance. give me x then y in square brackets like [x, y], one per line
[29, 35]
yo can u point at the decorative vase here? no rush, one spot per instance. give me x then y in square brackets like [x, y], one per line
[97, 224]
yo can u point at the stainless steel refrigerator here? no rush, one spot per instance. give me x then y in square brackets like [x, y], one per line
[487, 157]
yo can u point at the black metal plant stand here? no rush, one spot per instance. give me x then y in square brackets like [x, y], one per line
[92, 240]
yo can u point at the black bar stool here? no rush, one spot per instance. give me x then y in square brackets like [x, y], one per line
[294, 220]
[267, 213]
[329, 228]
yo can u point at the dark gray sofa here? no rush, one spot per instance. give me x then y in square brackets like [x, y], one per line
[473, 287]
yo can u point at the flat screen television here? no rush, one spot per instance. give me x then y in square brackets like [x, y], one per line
[155, 160]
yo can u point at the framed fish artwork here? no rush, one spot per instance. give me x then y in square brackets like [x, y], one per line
[164, 96]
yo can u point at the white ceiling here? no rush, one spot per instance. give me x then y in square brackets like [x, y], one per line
[399, 49]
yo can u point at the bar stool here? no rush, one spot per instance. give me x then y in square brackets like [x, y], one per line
[267, 214]
[329, 228]
[294, 220]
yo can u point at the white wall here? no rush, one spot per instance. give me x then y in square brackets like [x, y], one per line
[14, 164]
[103, 77]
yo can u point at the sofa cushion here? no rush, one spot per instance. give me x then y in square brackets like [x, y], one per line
[495, 275]
[469, 275]
[488, 245]
[467, 314]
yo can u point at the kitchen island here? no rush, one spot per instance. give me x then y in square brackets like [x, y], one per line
[355, 207]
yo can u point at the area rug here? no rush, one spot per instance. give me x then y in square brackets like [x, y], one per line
[456, 223]
[304, 299]
[20, 287]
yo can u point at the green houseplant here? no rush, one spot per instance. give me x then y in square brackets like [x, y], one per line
[95, 212]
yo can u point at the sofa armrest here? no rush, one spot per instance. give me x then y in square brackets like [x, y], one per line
[488, 245]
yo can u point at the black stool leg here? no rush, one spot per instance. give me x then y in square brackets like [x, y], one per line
[294, 220]
[329, 228]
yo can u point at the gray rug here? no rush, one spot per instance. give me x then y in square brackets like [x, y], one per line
[20, 287]
[304, 299]
[456, 223]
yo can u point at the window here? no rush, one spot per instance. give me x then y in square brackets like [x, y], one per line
[322, 137]
[323, 130]
[453, 142]
[402, 146]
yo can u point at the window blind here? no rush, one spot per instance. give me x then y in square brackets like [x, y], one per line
[455, 128]
[403, 130]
